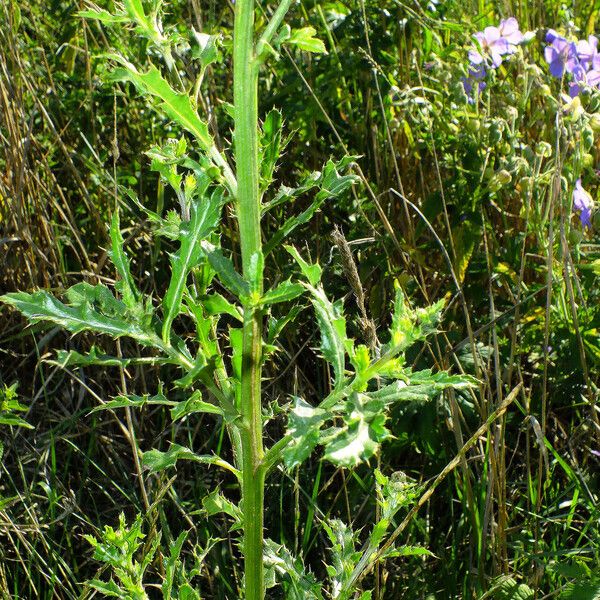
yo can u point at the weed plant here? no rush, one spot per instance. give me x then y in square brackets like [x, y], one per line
[221, 144]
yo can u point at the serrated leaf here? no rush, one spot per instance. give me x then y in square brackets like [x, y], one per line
[270, 147]
[126, 285]
[177, 106]
[172, 564]
[224, 268]
[109, 589]
[215, 503]
[95, 356]
[305, 40]
[332, 325]
[81, 315]
[281, 565]
[343, 552]
[104, 16]
[156, 460]
[194, 404]
[312, 272]
[205, 48]
[330, 184]
[133, 401]
[216, 304]
[304, 423]
[405, 551]
[284, 292]
[205, 214]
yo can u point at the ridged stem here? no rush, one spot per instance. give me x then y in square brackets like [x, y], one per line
[245, 81]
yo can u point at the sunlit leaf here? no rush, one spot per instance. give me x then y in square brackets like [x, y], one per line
[305, 40]
[177, 106]
[205, 216]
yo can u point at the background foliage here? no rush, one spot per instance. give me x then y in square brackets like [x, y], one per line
[520, 513]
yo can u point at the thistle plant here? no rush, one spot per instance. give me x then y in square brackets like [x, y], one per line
[348, 425]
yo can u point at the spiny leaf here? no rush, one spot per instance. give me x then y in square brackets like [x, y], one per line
[360, 435]
[312, 272]
[215, 503]
[156, 460]
[284, 292]
[332, 325]
[297, 583]
[194, 404]
[133, 401]
[204, 218]
[270, 147]
[330, 184]
[216, 304]
[224, 268]
[104, 16]
[96, 356]
[177, 106]
[304, 423]
[81, 314]
[126, 285]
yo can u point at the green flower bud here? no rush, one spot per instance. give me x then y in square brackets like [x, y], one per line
[473, 125]
[595, 122]
[587, 160]
[499, 180]
[543, 149]
[587, 137]
[525, 183]
[544, 90]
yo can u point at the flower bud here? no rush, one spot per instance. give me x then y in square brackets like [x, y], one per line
[587, 160]
[543, 149]
[499, 180]
[473, 125]
[525, 183]
[512, 113]
[595, 122]
[587, 137]
[544, 90]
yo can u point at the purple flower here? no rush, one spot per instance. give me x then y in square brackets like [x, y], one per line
[587, 51]
[583, 203]
[476, 75]
[580, 80]
[561, 55]
[491, 45]
[593, 77]
[509, 30]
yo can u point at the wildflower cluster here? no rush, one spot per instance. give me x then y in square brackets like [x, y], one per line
[580, 60]
[492, 45]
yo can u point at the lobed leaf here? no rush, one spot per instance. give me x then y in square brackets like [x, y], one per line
[87, 312]
[176, 105]
[205, 216]
[305, 40]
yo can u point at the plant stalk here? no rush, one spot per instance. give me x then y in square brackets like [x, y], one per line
[245, 81]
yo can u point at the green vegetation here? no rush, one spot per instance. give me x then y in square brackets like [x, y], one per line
[299, 300]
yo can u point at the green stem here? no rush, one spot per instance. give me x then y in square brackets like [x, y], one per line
[272, 26]
[245, 95]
